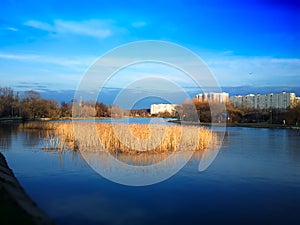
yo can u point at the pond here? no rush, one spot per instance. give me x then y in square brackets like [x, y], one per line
[255, 179]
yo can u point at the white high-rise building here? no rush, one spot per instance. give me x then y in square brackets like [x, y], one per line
[270, 101]
[161, 108]
[212, 97]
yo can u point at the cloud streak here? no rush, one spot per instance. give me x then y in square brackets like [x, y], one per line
[229, 70]
[17, 56]
[84, 61]
[92, 28]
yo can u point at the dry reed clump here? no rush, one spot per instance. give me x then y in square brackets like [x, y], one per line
[132, 139]
[123, 138]
[39, 125]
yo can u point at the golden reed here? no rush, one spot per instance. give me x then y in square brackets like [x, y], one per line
[124, 138]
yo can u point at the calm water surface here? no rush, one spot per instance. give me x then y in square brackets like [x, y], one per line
[255, 179]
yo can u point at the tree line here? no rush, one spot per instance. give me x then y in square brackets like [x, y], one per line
[31, 105]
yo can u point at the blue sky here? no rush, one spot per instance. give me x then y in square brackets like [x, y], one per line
[49, 45]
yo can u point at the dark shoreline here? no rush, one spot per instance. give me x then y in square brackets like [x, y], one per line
[15, 205]
[250, 125]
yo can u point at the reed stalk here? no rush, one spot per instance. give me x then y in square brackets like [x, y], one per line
[133, 139]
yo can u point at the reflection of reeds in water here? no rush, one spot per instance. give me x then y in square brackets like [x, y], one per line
[39, 130]
[130, 162]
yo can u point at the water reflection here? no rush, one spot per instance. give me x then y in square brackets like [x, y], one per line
[253, 166]
[7, 134]
[148, 168]
[293, 142]
[32, 137]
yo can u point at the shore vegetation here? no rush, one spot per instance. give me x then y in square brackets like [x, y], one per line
[123, 138]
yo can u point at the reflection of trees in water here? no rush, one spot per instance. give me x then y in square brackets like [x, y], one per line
[74, 155]
[226, 139]
[7, 134]
[32, 137]
[61, 153]
[33, 133]
[292, 143]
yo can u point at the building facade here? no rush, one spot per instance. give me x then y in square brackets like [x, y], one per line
[212, 97]
[296, 101]
[162, 108]
[282, 100]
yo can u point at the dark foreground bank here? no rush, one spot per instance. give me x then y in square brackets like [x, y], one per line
[15, 206]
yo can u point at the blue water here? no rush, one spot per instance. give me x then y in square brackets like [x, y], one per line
[255, 179]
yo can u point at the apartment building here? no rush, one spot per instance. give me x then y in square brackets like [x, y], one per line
[275, 101]
[161, 108]
[212, 97]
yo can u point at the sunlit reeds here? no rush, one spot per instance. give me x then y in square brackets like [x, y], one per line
[134, 139]
[39, 125]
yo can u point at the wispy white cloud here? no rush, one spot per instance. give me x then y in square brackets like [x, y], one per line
[229, 70]
[12, 29]
[45, 59]
[17, 56]
[92, 28]
[40, 25]
[8, 28]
